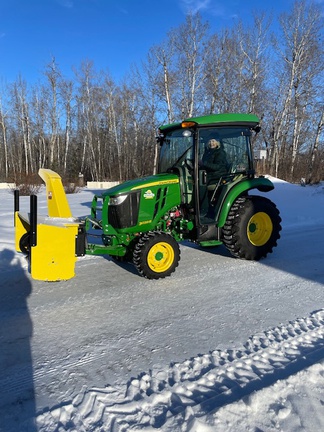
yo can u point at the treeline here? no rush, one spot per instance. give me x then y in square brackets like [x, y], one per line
[106, 130]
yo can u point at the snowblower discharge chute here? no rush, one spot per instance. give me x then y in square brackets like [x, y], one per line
[202, 193]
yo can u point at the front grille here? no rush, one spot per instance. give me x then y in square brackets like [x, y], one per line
[126, 214]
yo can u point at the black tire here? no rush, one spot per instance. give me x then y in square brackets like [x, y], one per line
[156, 255]
[24, 243]
[252, 227]
[128, 257]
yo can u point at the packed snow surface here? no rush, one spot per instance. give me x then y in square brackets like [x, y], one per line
[221, 345]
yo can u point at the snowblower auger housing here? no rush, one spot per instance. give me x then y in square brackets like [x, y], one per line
[201, 193]
[51, 242]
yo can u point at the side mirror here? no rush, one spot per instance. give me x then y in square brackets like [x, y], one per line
[159, 139]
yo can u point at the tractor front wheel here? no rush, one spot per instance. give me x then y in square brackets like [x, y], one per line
[252, 227]
[156, 255]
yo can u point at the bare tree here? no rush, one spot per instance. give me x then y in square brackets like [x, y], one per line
[301, 54]
[66, 90]
[190, 42]
[88, 120]
[150, 110]
[160, 74]
[40, 140]
[3, 143]
[23, 159]
[254, 44]
[314, 149]
[53, 109]
[215, 66]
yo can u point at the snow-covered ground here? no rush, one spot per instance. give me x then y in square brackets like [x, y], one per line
[221, 345]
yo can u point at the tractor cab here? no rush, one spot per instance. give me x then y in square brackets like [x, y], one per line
[210, 154]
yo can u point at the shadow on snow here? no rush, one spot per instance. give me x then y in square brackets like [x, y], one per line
[17, 396]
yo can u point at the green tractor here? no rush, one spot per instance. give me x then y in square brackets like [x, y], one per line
[144, 220]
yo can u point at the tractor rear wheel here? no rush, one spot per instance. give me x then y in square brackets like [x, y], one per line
[252, 227]
[156, 255]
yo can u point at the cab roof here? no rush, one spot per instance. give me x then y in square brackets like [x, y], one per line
[233, 119]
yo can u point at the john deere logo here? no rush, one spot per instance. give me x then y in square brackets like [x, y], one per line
[149, 194]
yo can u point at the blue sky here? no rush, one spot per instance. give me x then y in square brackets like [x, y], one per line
[112, 33]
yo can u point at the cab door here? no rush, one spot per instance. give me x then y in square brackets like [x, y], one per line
[212, 166]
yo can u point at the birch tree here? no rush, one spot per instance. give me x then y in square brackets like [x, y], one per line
[254, 45]
[66, 90]
[89, 120]
[300, 54]
[40, 139]
[151, 107]
[161, 76]
[190, 41]
[4, 167]
[53, 109]
[23, 159]
[312, 176]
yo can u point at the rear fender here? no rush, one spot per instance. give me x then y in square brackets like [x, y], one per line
[260, 183]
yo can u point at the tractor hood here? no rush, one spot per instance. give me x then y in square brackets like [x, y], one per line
[142, 183]
[139, 204]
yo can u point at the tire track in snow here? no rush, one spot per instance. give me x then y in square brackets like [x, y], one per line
[172, 397]
[21, 379]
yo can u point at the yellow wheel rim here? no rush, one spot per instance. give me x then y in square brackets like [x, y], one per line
[259, 229]
[160, 257]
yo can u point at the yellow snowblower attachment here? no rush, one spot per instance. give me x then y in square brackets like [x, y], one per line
[50, 241]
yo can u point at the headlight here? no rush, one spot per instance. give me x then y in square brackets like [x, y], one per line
[117, 200]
